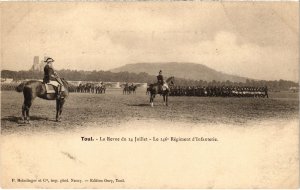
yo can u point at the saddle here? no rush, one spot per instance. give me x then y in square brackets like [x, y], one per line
[163, 87]
[52, 87]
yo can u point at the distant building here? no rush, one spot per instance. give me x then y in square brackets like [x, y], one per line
[37, 64]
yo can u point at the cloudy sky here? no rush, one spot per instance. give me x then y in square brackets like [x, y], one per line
[256, 40]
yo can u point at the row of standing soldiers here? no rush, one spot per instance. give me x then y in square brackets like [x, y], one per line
[219, 91]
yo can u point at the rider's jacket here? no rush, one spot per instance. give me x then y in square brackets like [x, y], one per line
[160, 79]
[48, 72]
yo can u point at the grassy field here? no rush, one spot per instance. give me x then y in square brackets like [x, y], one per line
[114, 107]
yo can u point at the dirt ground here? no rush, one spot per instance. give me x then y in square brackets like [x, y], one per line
[256, 147]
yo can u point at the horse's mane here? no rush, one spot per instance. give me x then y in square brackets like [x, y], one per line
[169, 79]
[64, 81]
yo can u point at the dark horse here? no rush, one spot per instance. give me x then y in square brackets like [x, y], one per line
[132, 89]
[126, 89]
[154, 89]
[34, 88]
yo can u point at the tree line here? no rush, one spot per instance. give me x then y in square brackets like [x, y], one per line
[107, 76]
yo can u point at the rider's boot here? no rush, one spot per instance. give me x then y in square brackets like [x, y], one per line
[160, 89]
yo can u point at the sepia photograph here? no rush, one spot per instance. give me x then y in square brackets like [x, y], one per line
[149, 94]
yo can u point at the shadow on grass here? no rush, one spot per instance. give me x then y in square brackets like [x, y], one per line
[16, 119]
[139, 105]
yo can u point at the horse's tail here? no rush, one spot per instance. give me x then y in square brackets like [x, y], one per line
[20, 87]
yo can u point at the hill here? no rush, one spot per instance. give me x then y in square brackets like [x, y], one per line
[180, 70]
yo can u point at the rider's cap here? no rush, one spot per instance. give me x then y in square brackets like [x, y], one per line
[49, 60]
[160, 71]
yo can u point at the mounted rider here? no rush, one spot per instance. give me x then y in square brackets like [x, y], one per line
[50, 74]
[160, 81]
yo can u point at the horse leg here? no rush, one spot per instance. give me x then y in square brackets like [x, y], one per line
[61, 104]
[27, 92]
[24, 113]
[151, 99]
[58, 104]
[167, 100]
[25, 110]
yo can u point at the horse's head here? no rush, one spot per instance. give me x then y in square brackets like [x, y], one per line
[171, 80]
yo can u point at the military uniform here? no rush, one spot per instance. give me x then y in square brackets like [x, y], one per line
[160, 79]
[160, 82]
[48, 73]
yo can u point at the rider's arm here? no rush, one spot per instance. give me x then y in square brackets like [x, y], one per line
[53, 73]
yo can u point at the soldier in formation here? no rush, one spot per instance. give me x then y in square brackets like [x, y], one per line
[220, 91]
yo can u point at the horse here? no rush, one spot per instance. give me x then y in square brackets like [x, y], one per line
[154, 89]
[100, 89]
[79, 88]
[103, 89]
[35, 88]
[126, 89]
[132, 89]
[89, 87]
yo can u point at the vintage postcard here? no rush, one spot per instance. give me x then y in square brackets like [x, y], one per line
[147, 94]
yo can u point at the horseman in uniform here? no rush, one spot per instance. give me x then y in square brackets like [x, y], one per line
[160, 81]
[50, 74]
